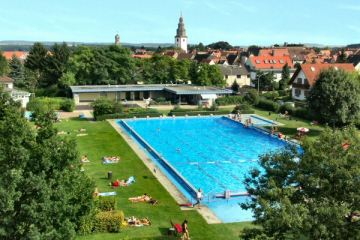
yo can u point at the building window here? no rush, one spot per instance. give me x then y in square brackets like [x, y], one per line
[103, 94]
[226, 76]
[299, 81]
[306, 93]
[177, 40]
[183, 40]
[7, 85]
[297, 92]
[238, 76]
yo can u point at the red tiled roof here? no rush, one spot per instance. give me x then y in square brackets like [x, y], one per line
[141, 56]
[274, 62]
[6, 79]
[312, 70]
[9, 55]
[276, 52]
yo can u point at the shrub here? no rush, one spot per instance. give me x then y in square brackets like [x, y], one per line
[104, 105]
[229, 100]
[160, 100]
[282, 93]
[50, 92]
[68, 105]
[44, 103]
[287, 107]
[108, 221]
[252, 97]
[106, 203]
[302, 113]
[269, 105]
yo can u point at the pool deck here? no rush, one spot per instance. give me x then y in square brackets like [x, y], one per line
[179, 197]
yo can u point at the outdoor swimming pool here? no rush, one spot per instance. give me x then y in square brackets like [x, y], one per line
[214, 152]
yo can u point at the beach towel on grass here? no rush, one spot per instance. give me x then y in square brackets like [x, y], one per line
[131, 180]
[108, 162]
[107, 194]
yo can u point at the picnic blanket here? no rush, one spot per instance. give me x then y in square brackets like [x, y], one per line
[108, 162]
[107, 194]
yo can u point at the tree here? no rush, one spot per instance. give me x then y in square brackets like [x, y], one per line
[17, 69]
[220, 45]
[67, 80]
[215, 76]
[297, 65]
[31, 79]
[313, 60]
[44, 193]
[180, 70]
[235, 86]
[36, 58]
[343, 56]
[285, 77]
[56, 63]
[201, 47]
[266, 80]
[310, 195]
[252, 97]
[4, 65]
[335, 96]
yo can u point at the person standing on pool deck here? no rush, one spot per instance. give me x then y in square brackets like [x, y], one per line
[198, 198]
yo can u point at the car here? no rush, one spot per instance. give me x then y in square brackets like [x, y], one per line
[281, 102]
[290, 103]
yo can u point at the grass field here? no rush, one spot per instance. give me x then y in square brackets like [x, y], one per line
[103, 140]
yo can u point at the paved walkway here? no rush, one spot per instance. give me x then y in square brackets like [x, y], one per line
[179, 197]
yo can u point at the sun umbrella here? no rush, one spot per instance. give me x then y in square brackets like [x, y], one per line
[302, 129]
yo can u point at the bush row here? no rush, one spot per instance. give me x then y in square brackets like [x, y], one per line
[168, 103]
[229, 100]
[107, 221]
[268, 105]
[65, 104]
[105, 203]
[129, 115]
[195, 113]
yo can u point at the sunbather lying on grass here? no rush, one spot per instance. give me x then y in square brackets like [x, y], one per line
[143, 198]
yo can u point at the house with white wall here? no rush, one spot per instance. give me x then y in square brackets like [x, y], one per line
[238, 73]
[18, 95]
[305, 77]
[267, 64]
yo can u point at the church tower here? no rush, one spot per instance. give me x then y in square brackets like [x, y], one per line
[117, 39]
[181, 40]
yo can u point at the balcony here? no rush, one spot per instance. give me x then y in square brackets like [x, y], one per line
[301, 86]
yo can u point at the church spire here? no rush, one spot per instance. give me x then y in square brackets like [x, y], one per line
[181, 31]
[181, 40]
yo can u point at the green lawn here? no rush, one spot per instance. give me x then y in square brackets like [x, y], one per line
[290, 126]
[103, 140]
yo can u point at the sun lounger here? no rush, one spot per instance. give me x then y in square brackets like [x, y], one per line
[107, 194]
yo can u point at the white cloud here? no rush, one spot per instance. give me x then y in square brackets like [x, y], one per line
[247, 8]
[220, 10]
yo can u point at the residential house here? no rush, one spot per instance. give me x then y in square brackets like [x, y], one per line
[17, 95]
[273, 52]
[267, 64]
[189, 56]
[238, 73]
[21, 55]
[305, 77]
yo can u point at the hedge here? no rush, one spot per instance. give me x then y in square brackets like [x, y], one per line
[65, 104]
[168, 103]
[302, 113]
[106, 203]
[269, 105]
[229, 100]
[108, 221]
[196, 113]
[129, 115]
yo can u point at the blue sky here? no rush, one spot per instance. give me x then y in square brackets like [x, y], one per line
[239, 22]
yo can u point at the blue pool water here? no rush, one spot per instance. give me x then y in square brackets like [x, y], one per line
[215, 153]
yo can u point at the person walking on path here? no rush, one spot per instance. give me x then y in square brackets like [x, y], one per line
[185, 230]
[198, 198]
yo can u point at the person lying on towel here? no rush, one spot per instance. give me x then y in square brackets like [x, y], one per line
[143, 198]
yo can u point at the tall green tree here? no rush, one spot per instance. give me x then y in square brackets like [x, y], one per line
[235, 86]
[17, 69]
[4, 65]
[264, 80]
[180, 70]
[220, 45]
[312, 195]
[285, 77]
[335, 97]
[56, 63]
[215, 76]
[43, 192]
[36, 58]
[343, 56]
[202, 78]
